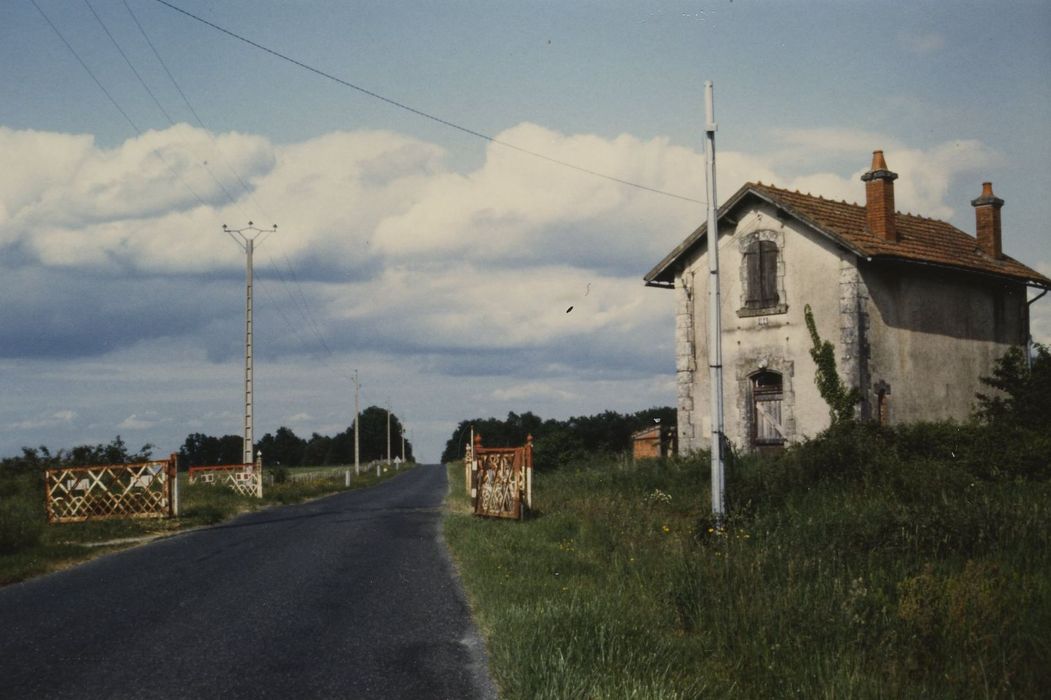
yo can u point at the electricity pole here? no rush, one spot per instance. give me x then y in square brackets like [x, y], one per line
[246, 238]
[715, 340]
[357, 424]
[388, 431]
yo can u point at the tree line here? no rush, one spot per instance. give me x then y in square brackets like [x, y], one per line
[559, 441]
[284, 448]
[280, 448]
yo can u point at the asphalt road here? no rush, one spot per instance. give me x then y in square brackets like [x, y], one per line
[350, 596]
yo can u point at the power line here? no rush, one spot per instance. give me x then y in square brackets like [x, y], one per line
[421, 113]
[189, 106]
[114, 102]
[306, 314]
[153, 97]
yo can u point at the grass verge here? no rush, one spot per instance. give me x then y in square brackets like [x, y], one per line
[900, 578]
[34, 547]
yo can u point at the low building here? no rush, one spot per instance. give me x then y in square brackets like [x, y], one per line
[653, 443]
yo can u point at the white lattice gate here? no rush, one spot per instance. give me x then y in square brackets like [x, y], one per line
[502, 483]
[245, 479]
[145, 490]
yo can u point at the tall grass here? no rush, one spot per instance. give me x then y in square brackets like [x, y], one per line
[866, 563]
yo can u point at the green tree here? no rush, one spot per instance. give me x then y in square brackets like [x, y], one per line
[1024, 393]
[284, 447]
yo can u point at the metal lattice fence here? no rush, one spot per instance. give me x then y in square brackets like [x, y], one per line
[502, 479]
[145, 490]
[245, 479]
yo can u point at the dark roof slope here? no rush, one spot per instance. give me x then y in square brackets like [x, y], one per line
[920, 239]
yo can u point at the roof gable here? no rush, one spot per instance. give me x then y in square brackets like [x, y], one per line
[921, 240]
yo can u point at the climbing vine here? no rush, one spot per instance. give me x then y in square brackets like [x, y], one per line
[840, 399]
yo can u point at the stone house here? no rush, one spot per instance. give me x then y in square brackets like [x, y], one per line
[917, 310]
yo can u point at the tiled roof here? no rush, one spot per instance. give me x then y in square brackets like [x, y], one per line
[920, 239]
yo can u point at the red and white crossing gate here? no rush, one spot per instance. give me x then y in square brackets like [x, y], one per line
[502, 479]
[145, 490]
[245, 479]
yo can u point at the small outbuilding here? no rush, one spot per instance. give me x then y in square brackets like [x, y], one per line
[652, 443]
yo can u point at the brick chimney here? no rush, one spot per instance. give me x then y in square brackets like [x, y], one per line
[987, 220]
[879, 199]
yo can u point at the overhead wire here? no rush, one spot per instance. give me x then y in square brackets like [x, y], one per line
[153, 97]
[114, 102]
[424, 114]
[190, 107]
[312, 324]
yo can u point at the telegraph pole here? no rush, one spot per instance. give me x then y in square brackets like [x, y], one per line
[388, 431]
[715, 340]
[357, 425]
[246, 238]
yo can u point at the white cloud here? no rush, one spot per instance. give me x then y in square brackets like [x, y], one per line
[136, 422]
[533, 390]
[52, 420]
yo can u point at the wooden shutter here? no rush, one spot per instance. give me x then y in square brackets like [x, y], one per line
[753, 277]
[768, 273]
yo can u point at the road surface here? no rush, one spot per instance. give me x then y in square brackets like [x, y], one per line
[350, 596]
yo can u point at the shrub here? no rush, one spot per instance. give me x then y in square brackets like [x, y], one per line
[21, 524]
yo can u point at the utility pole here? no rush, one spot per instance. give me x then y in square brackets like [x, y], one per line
[388, 431]
[246, 238]
[402, 431]
[715, 340]
[357, 424]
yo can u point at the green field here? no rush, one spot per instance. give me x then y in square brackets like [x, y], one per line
[866, 563]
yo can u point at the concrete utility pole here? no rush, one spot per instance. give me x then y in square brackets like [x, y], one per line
[715, 338]
[247, 242]
[357, 424]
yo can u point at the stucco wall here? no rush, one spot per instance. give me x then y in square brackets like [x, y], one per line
[811, 271]
[933, 333]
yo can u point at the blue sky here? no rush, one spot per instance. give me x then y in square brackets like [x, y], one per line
[437, 264]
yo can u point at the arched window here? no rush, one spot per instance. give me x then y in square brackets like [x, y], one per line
[760, 261]
[767, 398]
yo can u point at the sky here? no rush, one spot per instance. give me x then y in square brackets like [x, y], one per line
[436, 254]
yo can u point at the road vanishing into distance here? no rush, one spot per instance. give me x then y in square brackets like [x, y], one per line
[349, 596]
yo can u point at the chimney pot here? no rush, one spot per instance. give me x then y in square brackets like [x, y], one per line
[879, 199]
[987, 222]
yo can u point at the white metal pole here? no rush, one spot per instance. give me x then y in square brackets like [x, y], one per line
[249, 444]
[357, 424]
[248, 243]
[715, 351]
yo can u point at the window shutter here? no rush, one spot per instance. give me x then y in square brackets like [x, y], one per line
[753, 277]
[768, 278]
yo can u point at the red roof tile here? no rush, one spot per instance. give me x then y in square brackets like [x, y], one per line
[919, 239]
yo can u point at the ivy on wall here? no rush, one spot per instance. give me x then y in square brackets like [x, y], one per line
[841, 400]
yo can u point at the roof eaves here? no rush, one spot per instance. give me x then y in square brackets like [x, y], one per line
[663, 268]
[1037, 281]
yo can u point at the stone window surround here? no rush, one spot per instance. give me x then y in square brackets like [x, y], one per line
[743, 243]
[745, 369]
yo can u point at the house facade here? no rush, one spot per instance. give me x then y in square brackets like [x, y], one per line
[916, 309]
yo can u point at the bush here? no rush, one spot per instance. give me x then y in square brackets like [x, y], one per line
[21, 524]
